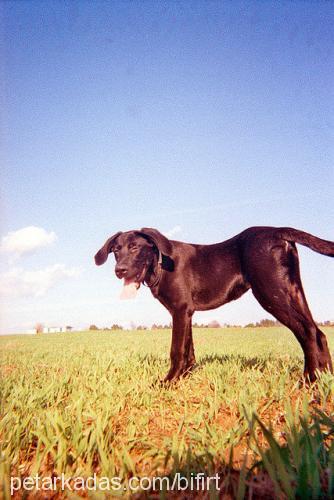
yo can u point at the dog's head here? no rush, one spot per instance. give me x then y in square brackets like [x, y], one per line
[135, 253]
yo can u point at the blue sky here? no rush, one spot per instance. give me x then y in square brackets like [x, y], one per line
[199, 118]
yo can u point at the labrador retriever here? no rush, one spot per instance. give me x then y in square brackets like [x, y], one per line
[188, 277]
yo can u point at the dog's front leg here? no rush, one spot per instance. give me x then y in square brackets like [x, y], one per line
[181, 344]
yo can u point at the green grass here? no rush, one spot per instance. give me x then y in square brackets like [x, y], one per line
[79, 403]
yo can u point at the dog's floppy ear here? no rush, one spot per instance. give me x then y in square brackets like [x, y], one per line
[103, 253]
[161, 242]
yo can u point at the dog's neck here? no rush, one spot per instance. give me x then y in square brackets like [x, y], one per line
[154, 273]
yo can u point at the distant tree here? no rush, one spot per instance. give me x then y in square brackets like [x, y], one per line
[158, 327]
[325, 323]
[39, 328]
[264, 323]
[214, 324]
[116, 327]
[93, 327]
[267, 322]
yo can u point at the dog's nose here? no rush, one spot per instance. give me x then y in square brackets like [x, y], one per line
[121, 271]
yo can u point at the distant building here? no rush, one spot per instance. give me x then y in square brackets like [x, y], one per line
[52, 329]
[57, 329]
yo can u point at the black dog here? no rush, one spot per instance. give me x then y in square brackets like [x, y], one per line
[186, 278]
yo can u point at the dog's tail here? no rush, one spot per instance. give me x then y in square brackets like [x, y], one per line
[317, 244]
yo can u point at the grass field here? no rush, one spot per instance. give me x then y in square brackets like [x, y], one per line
[80, 403]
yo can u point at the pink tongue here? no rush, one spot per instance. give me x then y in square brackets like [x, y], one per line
[129, 290]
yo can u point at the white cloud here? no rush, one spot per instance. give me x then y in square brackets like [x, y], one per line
[17, 282]
[26, 240]
[173, 231]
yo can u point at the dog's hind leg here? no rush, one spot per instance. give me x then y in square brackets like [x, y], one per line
[276, 284]
[325, 361]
